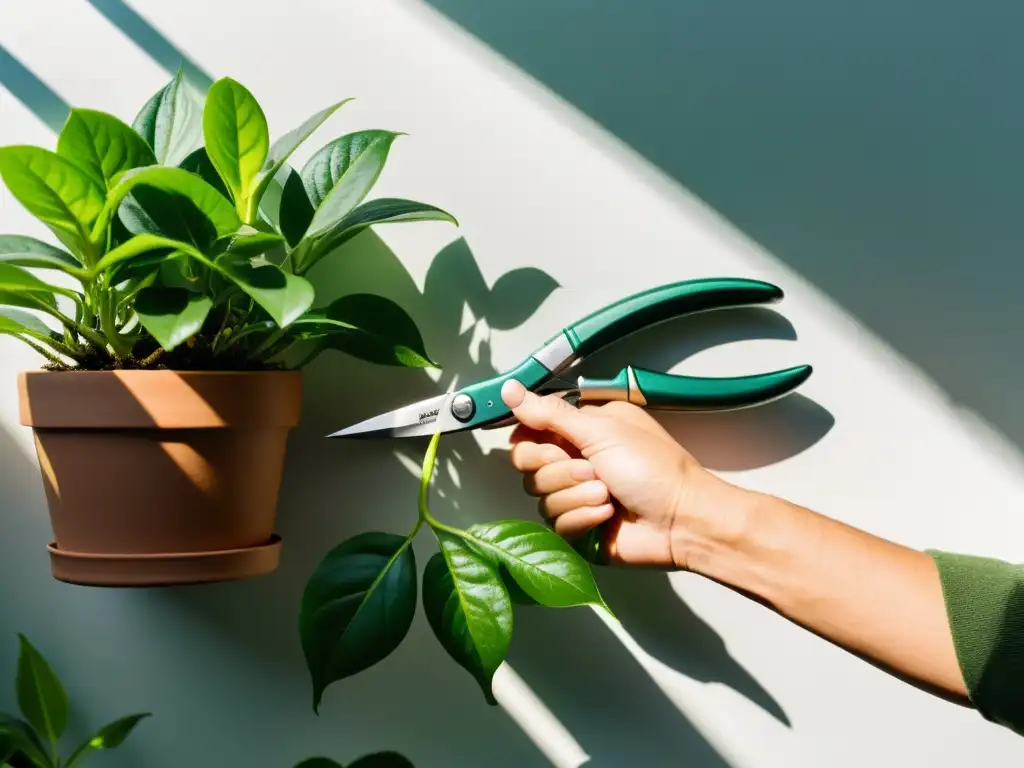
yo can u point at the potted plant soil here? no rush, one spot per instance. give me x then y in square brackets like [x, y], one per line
[174, 320]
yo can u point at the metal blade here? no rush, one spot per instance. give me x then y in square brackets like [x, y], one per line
[414, 420]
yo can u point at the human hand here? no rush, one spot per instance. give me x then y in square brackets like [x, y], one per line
[614, 463]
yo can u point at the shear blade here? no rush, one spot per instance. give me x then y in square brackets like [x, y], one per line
[413, 420]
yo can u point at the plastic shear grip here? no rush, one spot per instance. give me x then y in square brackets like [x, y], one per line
[666, 392]
[656, 305]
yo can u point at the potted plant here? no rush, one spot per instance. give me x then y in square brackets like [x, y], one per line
[177, 321]
[31, 741]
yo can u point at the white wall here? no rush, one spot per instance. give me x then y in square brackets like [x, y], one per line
[696, 675]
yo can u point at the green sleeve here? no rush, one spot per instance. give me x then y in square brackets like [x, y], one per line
[985, 604]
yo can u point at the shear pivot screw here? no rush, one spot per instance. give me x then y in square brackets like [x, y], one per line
[463, 407]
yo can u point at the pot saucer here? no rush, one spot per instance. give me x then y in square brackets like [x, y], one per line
[162, 570]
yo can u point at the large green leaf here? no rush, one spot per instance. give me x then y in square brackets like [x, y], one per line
[41, 696]
[24, 251]
[468, 608]
[342, 173]
[385, 210]
[284, 296]
[296, 210]
[357, 607]
[174, 203]
[282, 149]
[20, 288]
[370, 328]
[102, 145]
[170, 122]
[171, 315]
[17, 736]
[54, 190]
[199, 163]
[319, 762]
[236, 136]
[17, 322]
[540, 561]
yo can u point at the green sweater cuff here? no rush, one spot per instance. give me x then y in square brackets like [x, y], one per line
[985, 605]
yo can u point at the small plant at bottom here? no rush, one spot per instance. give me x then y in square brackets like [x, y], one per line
[32, 742]
[376, 760]
[360, 601]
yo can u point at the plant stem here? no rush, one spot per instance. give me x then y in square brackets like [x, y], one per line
[270, 341]
[151, 359]
[42, 351]
[109, 326]
[223, 325]
[426, 475]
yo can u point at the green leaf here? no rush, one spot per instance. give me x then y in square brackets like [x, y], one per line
[18, 735]
[282, 149]
[342, 173]
[16, 322]
[102, 145]
[170, 122]
[54, 190]
[113, 735]
[138, 246]
[468, 608]
[41, 697]
[249, 242]
[236, 136]
[370, 328]
[171, 315]
[382, 760]
[20, 288]
[540, 561]
[199, 163]
[384, 210]
[23, 251]
[285, 297]
[188, 207]
[318, 762]
[296, 209]
[519, 597]
[357, 607]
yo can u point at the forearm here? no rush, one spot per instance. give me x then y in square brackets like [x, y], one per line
[879, 600]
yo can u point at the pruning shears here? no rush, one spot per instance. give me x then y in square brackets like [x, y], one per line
[479, 405]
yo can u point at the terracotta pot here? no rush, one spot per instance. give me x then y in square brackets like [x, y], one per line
[161, 477]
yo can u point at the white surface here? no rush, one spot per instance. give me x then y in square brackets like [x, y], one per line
[534, 184]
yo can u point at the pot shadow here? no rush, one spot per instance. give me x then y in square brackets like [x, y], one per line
[336, 489]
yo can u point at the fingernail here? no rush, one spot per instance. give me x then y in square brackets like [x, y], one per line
[513, 393]
[584, 471]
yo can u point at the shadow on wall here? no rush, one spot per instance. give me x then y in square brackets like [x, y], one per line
[335, 489]
[874, 147]
[36, 95]
[151, 41]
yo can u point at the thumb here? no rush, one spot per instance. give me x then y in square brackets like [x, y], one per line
[550, 413]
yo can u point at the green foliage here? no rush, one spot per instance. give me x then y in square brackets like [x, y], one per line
[359, 602]
[33, 738]
[165, 228]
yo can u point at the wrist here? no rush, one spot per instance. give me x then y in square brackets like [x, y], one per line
[739, 538]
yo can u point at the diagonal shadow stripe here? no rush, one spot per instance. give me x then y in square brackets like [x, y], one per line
[27, 88]
[151, 41]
